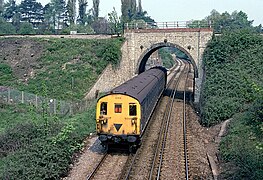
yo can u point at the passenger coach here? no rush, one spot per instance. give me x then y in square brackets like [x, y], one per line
[122, 115]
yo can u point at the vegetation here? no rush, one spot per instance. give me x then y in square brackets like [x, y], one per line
[226, 22]
[243, 146]
[42, 149]
[68, 68]
[167, 58]
[61, 16]
[233, 62]
[234, 88]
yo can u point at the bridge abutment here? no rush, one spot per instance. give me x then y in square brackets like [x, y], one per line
[140, 43]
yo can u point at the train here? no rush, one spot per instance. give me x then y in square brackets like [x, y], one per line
[123, 113]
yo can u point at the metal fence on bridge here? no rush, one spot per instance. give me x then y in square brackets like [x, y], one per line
[168, 25]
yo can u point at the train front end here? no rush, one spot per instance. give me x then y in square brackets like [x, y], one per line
[118, 119]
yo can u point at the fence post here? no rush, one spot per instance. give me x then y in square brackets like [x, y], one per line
[55, 106]
[70, 109]
[36, 101]
[8, 96]
[22, 98]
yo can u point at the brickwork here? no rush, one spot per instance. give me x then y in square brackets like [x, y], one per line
[140, 42]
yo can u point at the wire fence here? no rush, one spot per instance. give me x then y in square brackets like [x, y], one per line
[49, 105]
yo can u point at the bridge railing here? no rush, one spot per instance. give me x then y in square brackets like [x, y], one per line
[167, 25]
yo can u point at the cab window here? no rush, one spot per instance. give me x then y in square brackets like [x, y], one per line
[132, 109]
[103, 108]
[117, 108]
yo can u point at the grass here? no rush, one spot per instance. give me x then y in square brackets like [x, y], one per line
[68, 67]
[36, 145]
[42, 148]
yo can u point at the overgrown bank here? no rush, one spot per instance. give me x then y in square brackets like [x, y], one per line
[67, 67]
[42, 146]
[234, 88]
[37, 145]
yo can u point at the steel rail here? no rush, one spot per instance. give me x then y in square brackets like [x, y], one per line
[184, 131]
[97, 167]
[167, 127]
[165, 116]
[137, 152]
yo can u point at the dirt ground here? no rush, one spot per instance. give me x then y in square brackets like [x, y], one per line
[22, 56]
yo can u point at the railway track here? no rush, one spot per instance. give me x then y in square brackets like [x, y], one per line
[163, 160]
[109, 167]
[163, 153]
[154, 154]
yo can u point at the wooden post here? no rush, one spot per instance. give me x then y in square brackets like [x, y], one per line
[55, 111]
[36, 101]
[22, 99]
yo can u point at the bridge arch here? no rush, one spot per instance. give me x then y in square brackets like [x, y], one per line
[147, 53]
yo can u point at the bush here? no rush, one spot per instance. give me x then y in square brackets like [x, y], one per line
[244, 145]
[233, 62]
[26, 28]
[6, 27]
[45, 150]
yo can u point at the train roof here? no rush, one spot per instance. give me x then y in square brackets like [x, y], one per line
[139, 86]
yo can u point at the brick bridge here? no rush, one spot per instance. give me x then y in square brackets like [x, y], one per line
[141, 43]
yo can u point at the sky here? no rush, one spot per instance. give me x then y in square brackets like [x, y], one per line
[185, 10]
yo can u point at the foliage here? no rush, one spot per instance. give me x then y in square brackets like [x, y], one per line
[85, 29]
[29, 152]
[31, 11]
[68, 67]
[6, 28]
[5, 73]
[95, 13]
[233, 63]
[244, 145]
[225, 21]
[71, 10]
[167, 58]
[131, 12]
[114, 22]
[82, 11]
[10, 9]
[26, 28]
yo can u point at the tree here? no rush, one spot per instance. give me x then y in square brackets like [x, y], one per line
[58, 10]
[10, 9]
[6, 28]
[71, 10]
[114, 22]
[1, 7]
[226, 21]
[96, 4]
[31, 11]
[139, 9]
[26, 28]
[82, 11]
[128, 10]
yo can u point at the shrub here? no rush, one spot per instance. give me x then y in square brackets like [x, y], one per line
[244, 146]
[233, 62]
[45, 150]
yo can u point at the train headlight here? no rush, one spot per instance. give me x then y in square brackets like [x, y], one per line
[134, 121]
[103, 138]
[131, 139]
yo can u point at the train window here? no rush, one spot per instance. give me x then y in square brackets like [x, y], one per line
[117, 108]
[132, 109]
[103, 108]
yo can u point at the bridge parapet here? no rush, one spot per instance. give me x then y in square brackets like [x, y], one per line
[141, 43]
[168, 25]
